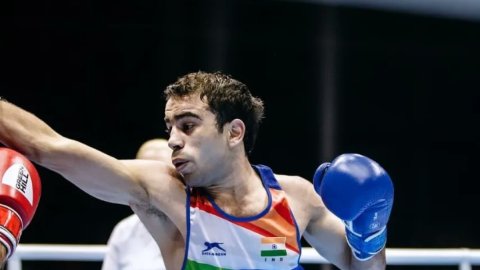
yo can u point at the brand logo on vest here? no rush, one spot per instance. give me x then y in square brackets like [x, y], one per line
[214, 249]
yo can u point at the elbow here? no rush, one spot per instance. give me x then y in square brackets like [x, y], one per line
[48, 153]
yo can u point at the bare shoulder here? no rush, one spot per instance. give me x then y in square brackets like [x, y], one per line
[292, 182]
[297, 187]
[306, 204]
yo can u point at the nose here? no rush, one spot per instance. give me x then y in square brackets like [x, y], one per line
[175, 141]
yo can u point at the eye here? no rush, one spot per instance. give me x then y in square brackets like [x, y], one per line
[187, 127]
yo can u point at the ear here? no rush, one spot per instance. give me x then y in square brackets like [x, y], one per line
[236, 132]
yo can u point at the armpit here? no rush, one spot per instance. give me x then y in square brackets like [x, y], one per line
[149, 210]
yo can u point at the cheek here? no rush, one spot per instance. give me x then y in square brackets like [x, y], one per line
[211, 150]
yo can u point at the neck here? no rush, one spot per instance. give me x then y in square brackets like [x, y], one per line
[241, 193]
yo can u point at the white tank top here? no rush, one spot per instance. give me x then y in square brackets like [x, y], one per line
[219, 241]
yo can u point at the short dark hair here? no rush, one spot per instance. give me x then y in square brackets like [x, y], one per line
[226, 97]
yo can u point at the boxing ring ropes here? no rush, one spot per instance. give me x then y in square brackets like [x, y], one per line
[464, 258]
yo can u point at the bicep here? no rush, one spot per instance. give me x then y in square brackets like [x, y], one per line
[321, 229]
[165, 192]
[326, 233]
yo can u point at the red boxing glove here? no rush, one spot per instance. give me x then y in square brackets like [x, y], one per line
[20, 190]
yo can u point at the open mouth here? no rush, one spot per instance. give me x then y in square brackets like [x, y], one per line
[179, 164]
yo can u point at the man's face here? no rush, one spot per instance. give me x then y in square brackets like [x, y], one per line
[199, 150]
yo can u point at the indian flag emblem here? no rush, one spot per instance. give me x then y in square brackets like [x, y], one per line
[273, 247]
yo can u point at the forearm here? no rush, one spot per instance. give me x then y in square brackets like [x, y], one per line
[94, 172]
[377, 262]
[24, 131]
[3, 258]
[337, 251]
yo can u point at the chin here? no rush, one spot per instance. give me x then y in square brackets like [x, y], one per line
[188, 180]
[192, 181]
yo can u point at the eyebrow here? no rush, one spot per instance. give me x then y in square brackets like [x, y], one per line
[183, 115]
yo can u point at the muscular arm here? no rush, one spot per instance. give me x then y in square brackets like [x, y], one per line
[96, 173]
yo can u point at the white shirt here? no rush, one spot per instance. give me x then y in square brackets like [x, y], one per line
[131, 247]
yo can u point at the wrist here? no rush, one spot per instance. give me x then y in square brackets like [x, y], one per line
[11, 227]
[3, 255]
[365, 246]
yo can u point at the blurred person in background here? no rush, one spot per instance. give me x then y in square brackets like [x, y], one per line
[130, 246]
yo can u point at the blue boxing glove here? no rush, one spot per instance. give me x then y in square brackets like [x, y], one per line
[359, 191]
